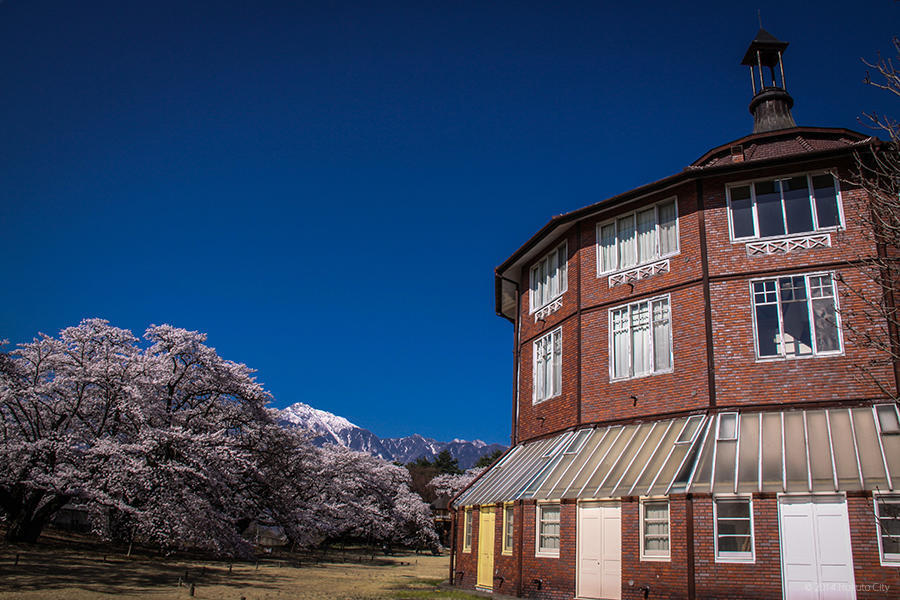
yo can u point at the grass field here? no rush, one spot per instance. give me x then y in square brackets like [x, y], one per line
[52, 571]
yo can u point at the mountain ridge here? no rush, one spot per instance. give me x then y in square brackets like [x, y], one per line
[334, 429]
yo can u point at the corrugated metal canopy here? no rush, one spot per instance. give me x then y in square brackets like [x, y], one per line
[598, 462]
[838, 449]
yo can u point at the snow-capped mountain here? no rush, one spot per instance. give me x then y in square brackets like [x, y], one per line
[333, 429]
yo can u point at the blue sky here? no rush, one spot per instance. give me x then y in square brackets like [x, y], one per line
[325, 188]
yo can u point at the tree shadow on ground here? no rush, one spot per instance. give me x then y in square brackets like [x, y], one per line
[47, 570]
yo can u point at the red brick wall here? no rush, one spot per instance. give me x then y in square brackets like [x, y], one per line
[506, 565]
[684, 266]
[669, 579]
[557, 575]
[683, 389]
[532, 328]
[560, 411]
[740, 379]
[466, 562]
[666, 579]
[726, 258]
[761, 579]
[871, 577]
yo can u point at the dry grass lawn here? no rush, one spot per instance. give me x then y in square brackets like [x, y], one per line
[73, 573]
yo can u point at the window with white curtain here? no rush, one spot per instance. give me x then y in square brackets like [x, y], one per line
[548, 366]
[549, 278]
[655, 530]
[640, 339]
[548, 530]
[638, 238]
[795, 316]
[793, 205]
[467, 531]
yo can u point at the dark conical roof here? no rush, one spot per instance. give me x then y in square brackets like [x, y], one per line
[767, 44]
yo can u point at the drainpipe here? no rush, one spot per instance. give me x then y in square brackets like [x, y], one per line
[517, 326]
[689, 533]
[452, 542]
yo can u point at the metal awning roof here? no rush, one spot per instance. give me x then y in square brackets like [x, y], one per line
[836, 449]
[598, 462]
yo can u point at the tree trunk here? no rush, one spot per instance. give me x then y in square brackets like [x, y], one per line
[23, 529]
[29, 519]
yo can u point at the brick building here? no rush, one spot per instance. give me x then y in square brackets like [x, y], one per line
[689, 420]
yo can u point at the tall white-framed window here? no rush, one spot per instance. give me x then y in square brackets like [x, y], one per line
[467, 530]
[795, 316]
[786, 206]
[887, 521]
[655, 530]
[733, 518]
[640, 340]
[637, 238]
[508, 528]
[547, 366]
[549, 279]
[547, 538]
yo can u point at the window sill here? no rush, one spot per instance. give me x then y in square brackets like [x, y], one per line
[506, 553]
[656, 558]
[641, 376]
[750, 560]
[535, 402]
[770, 359]
[546, 554]
[890, 562]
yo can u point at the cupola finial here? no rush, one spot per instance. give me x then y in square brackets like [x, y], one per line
[771, 105]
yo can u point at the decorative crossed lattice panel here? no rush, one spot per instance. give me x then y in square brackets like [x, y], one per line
[786, 245]
[548, 310]
[642, 272]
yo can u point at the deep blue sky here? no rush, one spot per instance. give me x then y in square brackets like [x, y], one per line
[325, 188]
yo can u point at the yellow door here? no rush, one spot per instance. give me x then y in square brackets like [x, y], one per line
[486, 522]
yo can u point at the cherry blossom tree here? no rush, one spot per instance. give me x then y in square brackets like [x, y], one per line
[173, 445]
[63, 403]
[450, 485]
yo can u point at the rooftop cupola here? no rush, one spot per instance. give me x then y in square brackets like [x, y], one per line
[771, 104]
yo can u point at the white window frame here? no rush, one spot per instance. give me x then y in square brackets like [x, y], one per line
[815, 352]
[889, 405]
[467, 530]
[553, 365]
[815, 216]
[612, 356]
[733, 557]
[887, 560]
[737, 427]
[655, 557]
[658, 256]
[538, 520]
[690, 419]
[562, 270]
[509, 518]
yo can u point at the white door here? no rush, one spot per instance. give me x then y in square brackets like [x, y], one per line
[600, 550]
[816, 560]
